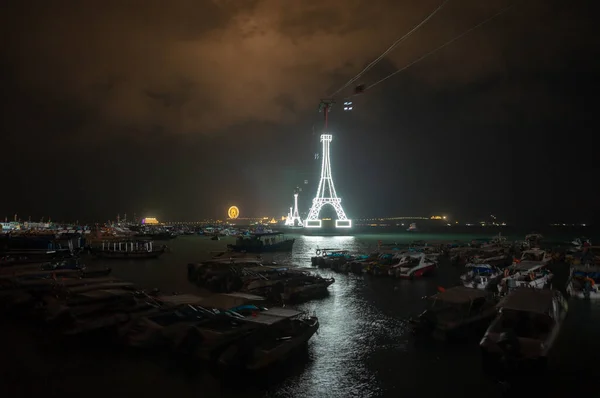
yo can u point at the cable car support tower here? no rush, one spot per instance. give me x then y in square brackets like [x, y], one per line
[326, 193]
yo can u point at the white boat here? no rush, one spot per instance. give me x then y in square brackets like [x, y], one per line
[414, 266]
[526, 328]
[525, 274]
[583, 282]
[580, 242]
[412, 228]
[479, 276]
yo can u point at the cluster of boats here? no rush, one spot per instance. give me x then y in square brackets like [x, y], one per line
[505, 298]
[230, 331]
[405, 264]
[513, 309]
[278, 284]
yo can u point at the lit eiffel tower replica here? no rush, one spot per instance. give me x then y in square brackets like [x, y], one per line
[326, 193]
[293, 218]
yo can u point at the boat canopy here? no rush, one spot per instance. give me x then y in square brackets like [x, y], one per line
[460, 294]
[529, 300]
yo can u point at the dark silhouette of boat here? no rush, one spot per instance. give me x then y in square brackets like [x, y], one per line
[262, 242]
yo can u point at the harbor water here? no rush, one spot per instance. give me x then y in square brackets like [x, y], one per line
[363, 348]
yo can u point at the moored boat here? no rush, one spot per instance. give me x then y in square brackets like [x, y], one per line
[524, 331]
[280, 331]
[526, 274]
[456, 312]
[262, 242]
[480, 276]
[415, 266]
[583, 282]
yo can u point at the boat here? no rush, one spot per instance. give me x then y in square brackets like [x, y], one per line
[412, 227]
[525, 274]
[414, 266]
[580, 242]
[533, 240]
[524, 331]
[583, 282]
[534, 255]
[128, 250]
[197, 329]
[275, 283]
[279, 332]
[262, 242]
[479, 276]
[456, 312]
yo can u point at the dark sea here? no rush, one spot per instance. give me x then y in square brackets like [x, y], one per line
[363, 348]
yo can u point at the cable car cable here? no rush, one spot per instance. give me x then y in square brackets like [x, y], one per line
[442, 46]
[390, 48]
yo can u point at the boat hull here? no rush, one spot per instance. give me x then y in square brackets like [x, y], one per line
[266, 359]
[418, 273]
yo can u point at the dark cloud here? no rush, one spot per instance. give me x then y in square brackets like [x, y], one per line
[185, 106]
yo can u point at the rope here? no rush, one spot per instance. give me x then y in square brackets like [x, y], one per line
[390, 48]
[442, 46]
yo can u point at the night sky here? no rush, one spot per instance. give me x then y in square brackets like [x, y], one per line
[180, 109]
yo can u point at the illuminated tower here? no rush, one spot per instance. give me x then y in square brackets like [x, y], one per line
[326, 191]
[294, 215]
